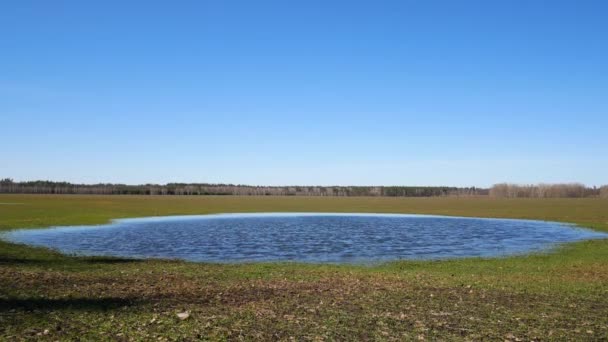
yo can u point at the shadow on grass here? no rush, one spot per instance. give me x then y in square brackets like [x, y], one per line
[108, 260]
[88, 304]
[7, 260]
[17, 261]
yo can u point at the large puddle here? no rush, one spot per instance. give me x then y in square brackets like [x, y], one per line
[305, 237]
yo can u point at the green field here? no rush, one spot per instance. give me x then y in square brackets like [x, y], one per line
[561, 295]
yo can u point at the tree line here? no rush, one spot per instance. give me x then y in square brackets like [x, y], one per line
[571, 190]
[7, 185]
[502, 190]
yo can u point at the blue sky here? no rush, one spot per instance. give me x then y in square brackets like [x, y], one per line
[305, 92]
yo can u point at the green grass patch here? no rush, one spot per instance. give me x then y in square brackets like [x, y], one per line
[562, 295]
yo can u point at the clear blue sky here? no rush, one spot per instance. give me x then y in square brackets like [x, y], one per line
[305, 92]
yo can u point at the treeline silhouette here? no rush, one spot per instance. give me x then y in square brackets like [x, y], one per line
[502, 190]
[572, 190]
[7, 185]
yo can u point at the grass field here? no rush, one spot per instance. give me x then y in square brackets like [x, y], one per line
[557, 296]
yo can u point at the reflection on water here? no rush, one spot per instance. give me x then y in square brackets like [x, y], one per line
[306, 237]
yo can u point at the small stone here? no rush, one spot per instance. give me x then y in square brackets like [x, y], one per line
[183, 315]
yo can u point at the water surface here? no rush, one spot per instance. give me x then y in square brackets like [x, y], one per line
[306, 237]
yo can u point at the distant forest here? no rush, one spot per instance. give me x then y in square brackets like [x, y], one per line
[503, 190]
[47, 187]
[572, 190]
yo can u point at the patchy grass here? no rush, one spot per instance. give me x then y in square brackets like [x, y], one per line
[556, 296]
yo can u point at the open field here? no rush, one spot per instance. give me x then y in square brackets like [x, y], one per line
[557, 296]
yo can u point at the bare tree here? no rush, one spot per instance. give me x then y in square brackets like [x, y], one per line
[572, 190]
[604, 191]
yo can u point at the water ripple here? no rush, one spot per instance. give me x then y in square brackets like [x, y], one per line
[306, 237]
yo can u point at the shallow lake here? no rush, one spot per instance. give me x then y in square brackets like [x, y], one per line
[305, 237]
